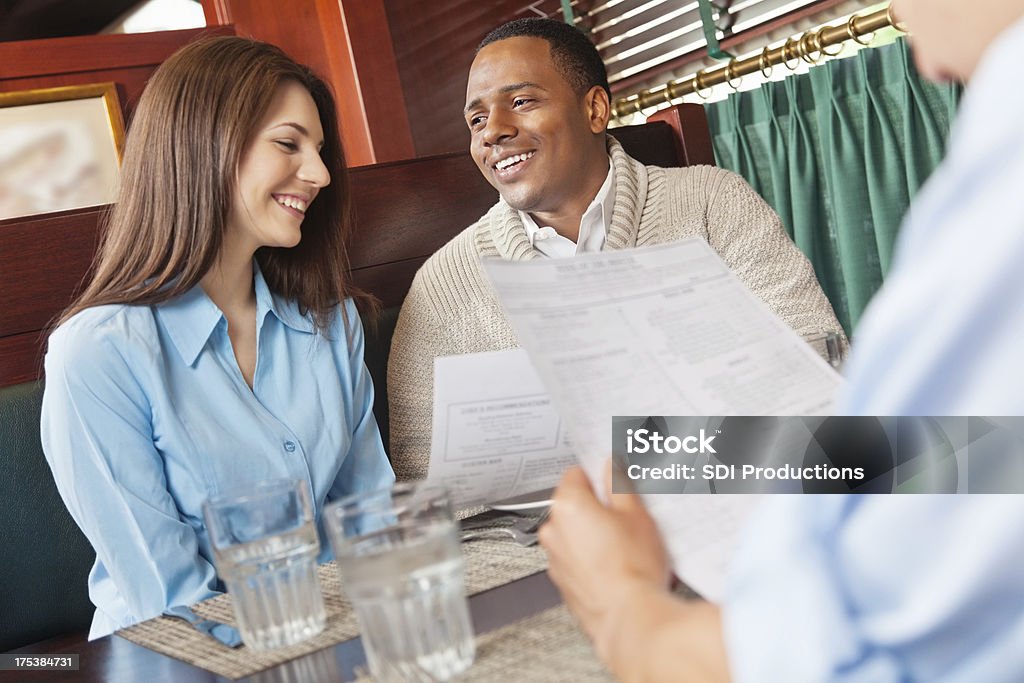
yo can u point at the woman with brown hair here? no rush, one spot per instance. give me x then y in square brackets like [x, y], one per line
[218, 342]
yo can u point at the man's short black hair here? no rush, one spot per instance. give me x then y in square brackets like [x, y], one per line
[574, 55]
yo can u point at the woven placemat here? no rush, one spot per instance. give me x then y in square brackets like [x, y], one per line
[545, 648]
[488, 564]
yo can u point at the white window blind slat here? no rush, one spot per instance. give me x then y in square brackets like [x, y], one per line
[637, 36]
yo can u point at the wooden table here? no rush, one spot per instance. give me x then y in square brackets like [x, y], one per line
[114, 659]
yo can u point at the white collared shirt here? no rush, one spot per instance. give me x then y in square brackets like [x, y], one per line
[593, 226]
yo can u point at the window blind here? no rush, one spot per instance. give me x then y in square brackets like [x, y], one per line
[637, 37]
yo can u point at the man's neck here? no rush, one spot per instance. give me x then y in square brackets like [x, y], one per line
[566, 220]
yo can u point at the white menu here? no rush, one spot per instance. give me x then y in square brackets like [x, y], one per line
[665, 330]
[496, 432]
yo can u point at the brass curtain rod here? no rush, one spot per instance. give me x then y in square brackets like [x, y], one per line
[809, 47]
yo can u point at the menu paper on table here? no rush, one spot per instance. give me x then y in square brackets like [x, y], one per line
[496, 432]
[663, 330]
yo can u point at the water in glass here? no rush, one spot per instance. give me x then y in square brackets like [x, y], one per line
[275, 589]
[406, 583]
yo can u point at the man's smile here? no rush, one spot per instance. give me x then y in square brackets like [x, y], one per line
[512, 164]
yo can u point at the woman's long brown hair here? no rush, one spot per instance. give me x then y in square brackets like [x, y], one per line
[188, 134]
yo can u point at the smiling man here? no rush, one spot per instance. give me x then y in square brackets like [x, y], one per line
[537, 106]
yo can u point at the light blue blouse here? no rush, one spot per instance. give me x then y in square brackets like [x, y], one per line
[146, 414]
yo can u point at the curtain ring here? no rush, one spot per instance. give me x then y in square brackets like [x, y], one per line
[764, 64]
[818, 37]
[805, 49]
[814, 40]
[852, 32]
[698, 84]
[730, 73]
[894, 21]
[638, 105]
[785, 56]
[646, 102]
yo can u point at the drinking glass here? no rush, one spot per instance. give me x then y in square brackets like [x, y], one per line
[265, 547]
[398, 554]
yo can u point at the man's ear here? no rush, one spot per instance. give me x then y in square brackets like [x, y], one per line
[598, 109]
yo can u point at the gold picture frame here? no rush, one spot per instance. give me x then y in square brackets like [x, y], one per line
[60, 148]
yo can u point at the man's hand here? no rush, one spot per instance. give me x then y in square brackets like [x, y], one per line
[612, 569]
[600, 556]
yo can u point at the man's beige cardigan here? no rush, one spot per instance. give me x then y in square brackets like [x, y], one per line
[450, 308]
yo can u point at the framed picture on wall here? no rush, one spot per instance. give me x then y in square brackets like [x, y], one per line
[60, 148]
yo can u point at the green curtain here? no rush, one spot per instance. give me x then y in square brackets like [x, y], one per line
[839, 153]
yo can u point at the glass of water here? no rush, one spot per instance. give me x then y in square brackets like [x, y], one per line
[265, 547]
[398, 553]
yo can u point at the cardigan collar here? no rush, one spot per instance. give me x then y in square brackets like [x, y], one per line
[506, 234]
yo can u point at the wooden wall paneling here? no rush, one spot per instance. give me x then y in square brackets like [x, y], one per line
[95, 53]
[216, 12]
[127, 60]
[401, 220]
[379, 87]
[348, 43]
[435, 43]
[292, 27]
[297, 31]
[42, 261]
[340, 69]
[410, 209]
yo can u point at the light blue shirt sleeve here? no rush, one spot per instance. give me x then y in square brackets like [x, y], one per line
[98, 439]
[879, 589]
[887, 589]
[366, 466]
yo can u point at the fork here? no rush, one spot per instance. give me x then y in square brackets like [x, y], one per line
[523, 534]
[537, 523]
[491, 521]
[523, 538]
